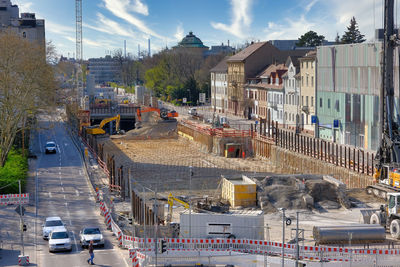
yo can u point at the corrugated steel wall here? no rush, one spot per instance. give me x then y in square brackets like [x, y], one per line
[356, 71]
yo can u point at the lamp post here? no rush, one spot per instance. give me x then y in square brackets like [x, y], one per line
[283, 235]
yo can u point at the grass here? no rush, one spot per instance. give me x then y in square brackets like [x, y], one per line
[15, 169]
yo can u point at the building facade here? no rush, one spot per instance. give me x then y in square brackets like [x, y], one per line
[291, 118]
[348, 85]
[104, 69]
[275, 90]
[219, 86]
[242, 66]
[26, 25]
[307, 87]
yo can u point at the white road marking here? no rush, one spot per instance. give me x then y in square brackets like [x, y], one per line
[49, 194]
[80, 172]
[77, 192]
[62, 188]
[64, 196]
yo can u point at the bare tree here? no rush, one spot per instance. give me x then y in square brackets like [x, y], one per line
[27, 86]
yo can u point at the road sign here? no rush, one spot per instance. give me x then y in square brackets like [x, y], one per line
[184, 100]
[202, 97]
[17, 210]
[14, 199]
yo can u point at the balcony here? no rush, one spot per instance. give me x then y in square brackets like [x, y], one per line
[305, 109]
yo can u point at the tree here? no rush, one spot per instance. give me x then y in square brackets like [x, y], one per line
[352, 35]
[310, 39]
[27, 87]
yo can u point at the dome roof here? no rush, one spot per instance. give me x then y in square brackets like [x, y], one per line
[191, 40]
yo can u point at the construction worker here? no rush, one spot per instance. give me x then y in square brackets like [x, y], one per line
[91, 253]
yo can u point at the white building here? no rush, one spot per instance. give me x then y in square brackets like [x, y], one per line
[292, 94]
[26, 26]
[104, 69]
[274, 74]
[219, 87]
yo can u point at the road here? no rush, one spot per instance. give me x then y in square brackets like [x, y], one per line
[62, 190]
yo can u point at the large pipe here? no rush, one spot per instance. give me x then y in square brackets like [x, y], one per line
[358, 233]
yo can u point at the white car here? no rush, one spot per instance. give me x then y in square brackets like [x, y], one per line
[60, 241]
[50, 147]
[91, 233]
[52, 224]
[193, 111]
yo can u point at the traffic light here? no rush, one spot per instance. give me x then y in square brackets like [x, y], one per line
[163, 246]
[24, 227]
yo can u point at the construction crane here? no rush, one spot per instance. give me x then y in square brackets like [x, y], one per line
[387, 160]
[98, 129]
[171, 200]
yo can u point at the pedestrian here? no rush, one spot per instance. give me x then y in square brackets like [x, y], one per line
[91, 253]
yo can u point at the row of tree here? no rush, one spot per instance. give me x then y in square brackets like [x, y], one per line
[351, 36]
[27, 86]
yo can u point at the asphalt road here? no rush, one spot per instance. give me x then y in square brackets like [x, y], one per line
[62, 190]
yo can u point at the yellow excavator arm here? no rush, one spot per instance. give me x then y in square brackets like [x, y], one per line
[171, 200]
[99, 129]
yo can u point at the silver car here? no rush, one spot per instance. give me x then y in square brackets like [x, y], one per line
[60, 241]
[50, 147]
[91, 233]
[51, 224]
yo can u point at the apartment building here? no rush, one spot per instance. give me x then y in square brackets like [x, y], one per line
[307, 88]
[219, 86]
[291, 84]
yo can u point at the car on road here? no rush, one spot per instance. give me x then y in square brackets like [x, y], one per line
[50, 147]
[193, 111]
[91, 233]
[52, 224]
[59, 240]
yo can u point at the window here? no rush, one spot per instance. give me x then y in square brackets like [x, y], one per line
[302, 100]
[312, 80]
[307, 64]
[307, 80]
[362, 142]
[312, 101]
[320, 102]
[306, 100]
[302, 80]
[24, 34]
[329, 103]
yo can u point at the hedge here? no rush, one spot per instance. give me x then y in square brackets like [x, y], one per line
[16, 168]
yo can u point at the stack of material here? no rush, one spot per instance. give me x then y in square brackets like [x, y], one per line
[291, 192]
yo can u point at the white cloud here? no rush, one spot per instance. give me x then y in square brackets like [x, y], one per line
[120, 9]
[291, 29]
[240, 18]
[179, 34]
[85, 41]
[139, 7]
[109, 26]
[58, 28]
[310, 5]
[25, 6]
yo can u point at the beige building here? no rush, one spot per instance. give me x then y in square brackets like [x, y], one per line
[26, 25]
[219, 87]
[307, 91]
[242, 66]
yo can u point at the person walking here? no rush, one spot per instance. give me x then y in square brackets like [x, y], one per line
[91, 253]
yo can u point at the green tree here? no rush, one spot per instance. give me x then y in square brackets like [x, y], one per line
[352, 35]
[310, 39]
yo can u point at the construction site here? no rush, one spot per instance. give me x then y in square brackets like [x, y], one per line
[179, 165]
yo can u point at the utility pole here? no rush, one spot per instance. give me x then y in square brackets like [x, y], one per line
[21, 220]
[133, 219]
[190, 200]
[283, 236]
[155, 224]
[297, 239]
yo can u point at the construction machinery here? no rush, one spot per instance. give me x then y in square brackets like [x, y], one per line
[164, 114]
[98, 129]
[387, 160]
[171, 200]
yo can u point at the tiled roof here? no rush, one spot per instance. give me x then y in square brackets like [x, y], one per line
[222, 66]
[245, 53]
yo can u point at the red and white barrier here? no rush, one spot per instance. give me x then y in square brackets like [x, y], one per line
[23, 260]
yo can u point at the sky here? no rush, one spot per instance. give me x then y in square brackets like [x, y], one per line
[108, 23]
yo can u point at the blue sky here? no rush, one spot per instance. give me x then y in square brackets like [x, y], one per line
[107, 23]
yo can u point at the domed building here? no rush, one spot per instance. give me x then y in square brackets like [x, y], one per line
[191, 41]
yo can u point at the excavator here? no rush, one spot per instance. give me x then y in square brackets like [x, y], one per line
[164, 114]
[98, 129]
[171, 200]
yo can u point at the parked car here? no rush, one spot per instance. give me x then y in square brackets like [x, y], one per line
[60, 241]
[91, 233]
[50, 147]
[193, 111]
[51, 224]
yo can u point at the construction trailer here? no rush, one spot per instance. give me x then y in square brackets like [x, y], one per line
[234, 224]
